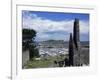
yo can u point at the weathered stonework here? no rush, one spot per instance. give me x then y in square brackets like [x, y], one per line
[74, 46]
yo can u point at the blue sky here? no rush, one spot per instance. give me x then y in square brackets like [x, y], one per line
[55, 25]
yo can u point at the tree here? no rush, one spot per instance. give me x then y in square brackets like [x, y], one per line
[28, 36]
[33, 52]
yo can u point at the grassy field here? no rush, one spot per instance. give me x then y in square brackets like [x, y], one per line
[44, 62]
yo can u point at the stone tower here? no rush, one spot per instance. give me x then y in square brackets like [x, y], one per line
[71, 50]
[74, 45]
[76, 35]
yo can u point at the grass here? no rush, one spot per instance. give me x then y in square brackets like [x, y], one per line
[44, 63]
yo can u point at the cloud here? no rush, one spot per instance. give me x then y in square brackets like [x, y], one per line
[50, 29]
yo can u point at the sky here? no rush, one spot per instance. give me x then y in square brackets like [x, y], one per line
[55, 25]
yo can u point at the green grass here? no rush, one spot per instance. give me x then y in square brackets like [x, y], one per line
[43, 63]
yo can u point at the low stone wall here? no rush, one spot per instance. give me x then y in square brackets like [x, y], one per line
[85, 56]
[25, 57]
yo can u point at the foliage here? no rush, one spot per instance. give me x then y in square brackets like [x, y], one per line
[28, 36]
[33, 52]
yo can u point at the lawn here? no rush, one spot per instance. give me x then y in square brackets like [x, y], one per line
[44, 62]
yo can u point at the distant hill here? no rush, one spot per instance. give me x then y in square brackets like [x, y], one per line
[85, 43]
[60, 43]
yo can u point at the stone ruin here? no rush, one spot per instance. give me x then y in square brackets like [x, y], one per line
[78, 56]
[74, 46]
